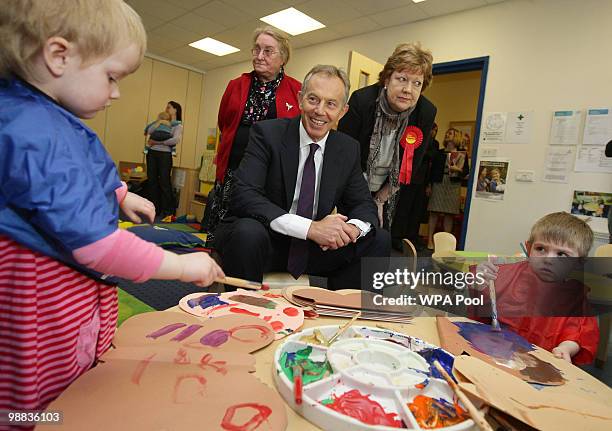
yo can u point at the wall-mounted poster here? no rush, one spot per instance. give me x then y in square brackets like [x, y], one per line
[492, 179]
[592, 207]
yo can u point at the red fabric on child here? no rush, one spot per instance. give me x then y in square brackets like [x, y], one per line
[545, 313]
[54, 321]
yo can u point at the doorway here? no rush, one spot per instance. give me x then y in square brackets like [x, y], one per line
[458, 92]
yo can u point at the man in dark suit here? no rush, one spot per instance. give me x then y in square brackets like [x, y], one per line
[294, 173]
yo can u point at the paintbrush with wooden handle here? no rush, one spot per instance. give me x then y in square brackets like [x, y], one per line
[476, 415]
[245, 284]
[494, 322]
[343, 328]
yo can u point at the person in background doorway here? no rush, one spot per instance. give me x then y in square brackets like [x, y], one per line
[448, 169]
[392, 121]
[262, 94]
[159, 161]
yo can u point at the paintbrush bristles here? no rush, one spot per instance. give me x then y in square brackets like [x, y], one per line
[239, 282]
[476, 415]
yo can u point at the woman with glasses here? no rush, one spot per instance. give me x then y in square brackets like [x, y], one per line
[262, 94]
[392, 121]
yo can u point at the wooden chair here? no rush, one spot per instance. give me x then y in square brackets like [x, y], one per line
[409, 250]
[605, 320]
[444, 243]
[604, 251]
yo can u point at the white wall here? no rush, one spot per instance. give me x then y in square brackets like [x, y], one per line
[544, 55]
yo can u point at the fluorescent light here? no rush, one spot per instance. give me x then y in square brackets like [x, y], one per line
[213, 46]
[292, 21]
[417, 1]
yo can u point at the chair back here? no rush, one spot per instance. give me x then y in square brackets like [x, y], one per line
[604, 251]
[409, 250]
[444, 242]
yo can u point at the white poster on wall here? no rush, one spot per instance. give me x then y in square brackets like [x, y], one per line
[492, 179]
[558, 164]
[592, 159]
[494, 128]
[565, 127]
[518, 127]
[597, 127]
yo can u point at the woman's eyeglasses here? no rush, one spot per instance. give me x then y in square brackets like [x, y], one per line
[267, 52]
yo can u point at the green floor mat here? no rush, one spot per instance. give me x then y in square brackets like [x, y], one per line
[129, 306]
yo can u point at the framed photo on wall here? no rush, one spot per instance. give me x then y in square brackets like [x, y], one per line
[468, 128]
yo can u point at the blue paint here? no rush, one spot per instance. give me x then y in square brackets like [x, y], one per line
[497, 344]
[445, 359]
[205, 301]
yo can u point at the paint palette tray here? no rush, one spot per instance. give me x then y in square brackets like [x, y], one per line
[368, 379]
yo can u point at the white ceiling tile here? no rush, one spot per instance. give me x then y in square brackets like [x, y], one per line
[188, 55]
[188, 4]
[160, 44]
[444, 7]
[222, 13]
[198, 24]
[353, 27]
[150, 22]
[322, 35]
[398, 16]
[158, 8]
[178, 34]
[369, 7]
[329, 12]
[257, 8]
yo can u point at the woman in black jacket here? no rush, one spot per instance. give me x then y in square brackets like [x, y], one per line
[392, 122]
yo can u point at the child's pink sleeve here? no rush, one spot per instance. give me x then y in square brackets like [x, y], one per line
[121, 192]
[122, 254]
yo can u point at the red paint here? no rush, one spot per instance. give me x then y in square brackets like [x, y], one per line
[265, 286]
[291, 311]
[272, 295]
[142, 365]
[218, 366]
[264, 333]
[298, 385]
[277, 326]
[177, 386]
[420, 385]
[263, 413]
[267, 318]
[239, 310]
[181, 357]
[362, 408]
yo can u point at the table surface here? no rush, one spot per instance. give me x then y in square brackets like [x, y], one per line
[423, 327]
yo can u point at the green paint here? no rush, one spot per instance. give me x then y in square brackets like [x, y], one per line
[312, 371]
[327, 401]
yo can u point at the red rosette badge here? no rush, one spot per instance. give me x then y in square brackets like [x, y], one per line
[411, 140]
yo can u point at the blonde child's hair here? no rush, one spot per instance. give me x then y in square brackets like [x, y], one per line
[563, 229]
[98, 28]
[164, 116]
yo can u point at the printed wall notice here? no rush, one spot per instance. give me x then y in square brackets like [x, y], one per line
[494, 128]
[565, 128]
[597, 127]
[518, 127]
[558, 164]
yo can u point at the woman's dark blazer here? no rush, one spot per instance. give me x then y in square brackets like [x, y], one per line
[359, 122]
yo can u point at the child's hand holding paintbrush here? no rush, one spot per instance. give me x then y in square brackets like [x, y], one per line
[488, 270]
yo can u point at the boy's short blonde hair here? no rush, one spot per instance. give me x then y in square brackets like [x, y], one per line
[163, 115]
[97, 27]
[563, 229]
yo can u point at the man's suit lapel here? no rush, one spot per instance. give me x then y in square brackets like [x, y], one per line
[329, 176]
[290, 158]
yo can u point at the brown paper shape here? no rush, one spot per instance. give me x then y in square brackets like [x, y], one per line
[284, 318]
[574, 406]
[526, 365]
[248, 333]
[348, 298]
[160, 384]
